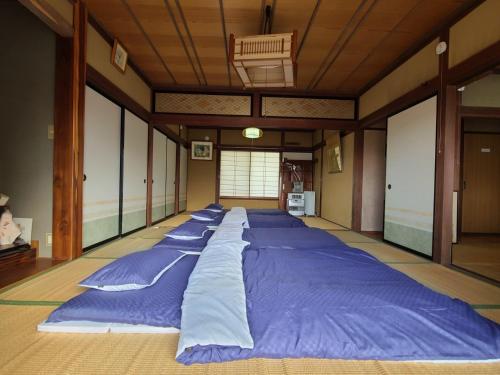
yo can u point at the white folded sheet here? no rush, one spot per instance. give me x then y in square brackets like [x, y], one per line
[214, 306]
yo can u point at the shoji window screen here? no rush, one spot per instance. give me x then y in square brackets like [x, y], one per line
[234, 174]
[410, 164]
[101, 165]
[264, 174]
[159, 175]
[183, 179]
[249, 174]
[170, 182]
[135, 156]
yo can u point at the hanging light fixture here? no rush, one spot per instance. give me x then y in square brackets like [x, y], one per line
[252, 133]
[265, 60]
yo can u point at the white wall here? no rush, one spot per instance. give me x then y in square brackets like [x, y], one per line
[372, 216]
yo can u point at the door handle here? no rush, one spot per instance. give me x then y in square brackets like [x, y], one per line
[389, 186]
[144, 180]
[84, 177]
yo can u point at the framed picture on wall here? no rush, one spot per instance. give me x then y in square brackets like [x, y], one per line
[119, 56]
[201, 150]
[334, 154]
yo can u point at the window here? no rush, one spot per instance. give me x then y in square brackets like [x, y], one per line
[249, 174]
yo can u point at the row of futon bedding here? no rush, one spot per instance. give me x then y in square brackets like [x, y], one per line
[306, 294]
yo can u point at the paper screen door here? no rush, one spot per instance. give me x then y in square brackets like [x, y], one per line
[409, 190]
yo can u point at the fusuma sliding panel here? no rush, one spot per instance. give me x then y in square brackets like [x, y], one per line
[170, 181]
[409, 198]
[159, 175]
[183, 179]
[101, 165]
[135, 156]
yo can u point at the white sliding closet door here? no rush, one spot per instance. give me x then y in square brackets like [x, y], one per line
[135, 160]
[159, 175]
[101, 165]
[183, 179]
[170, 181]
[409, 197]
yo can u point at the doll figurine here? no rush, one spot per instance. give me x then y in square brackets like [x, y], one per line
[9, 230]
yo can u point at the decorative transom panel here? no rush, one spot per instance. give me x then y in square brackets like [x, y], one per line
[308, 107]
[237, 105]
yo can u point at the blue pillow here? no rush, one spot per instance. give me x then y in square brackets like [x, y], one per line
[134, 271]
[204, 215]
[188, 231]
[183, 245]
[214, 207]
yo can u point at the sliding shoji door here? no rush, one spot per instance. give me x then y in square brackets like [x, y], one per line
[159, 175]
[409, 194]
[135, 163]
[170, 181]
[101, 165]
[183, 179]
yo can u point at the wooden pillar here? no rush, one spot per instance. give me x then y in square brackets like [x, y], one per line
[256, 103]
[68, 139]
[217, 166]
[150, 182]
[177, 175]
[447, 123]
[357, 193]
[321, 172]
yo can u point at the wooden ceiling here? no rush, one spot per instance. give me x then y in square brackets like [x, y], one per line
[344, 45]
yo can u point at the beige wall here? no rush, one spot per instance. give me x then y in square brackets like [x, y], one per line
[317, 136]
[336, 203]
[476, 31]
[99, 57]
[250, 203]
[372, 216]
[201, 173]
[420, 68]
[300, 139]
[483, 93]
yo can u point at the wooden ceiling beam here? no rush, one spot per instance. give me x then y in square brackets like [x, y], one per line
[238, 122]
[50, 16]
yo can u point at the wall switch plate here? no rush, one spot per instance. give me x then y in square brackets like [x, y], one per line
[48, 239]
[50, 133]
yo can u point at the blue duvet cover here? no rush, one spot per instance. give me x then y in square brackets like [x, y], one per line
[332, 301]
[266, 211]
[274, 221]
[290, 238]
[158, 305]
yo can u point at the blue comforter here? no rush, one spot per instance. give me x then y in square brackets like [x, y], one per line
[158, 305]
[266, 211]
[338, 302]
[290, 238]
[274, 221]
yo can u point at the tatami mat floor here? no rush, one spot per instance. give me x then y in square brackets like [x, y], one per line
[23, 305]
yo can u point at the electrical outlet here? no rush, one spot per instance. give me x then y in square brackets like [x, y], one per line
[51, 132]
[48, 239]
